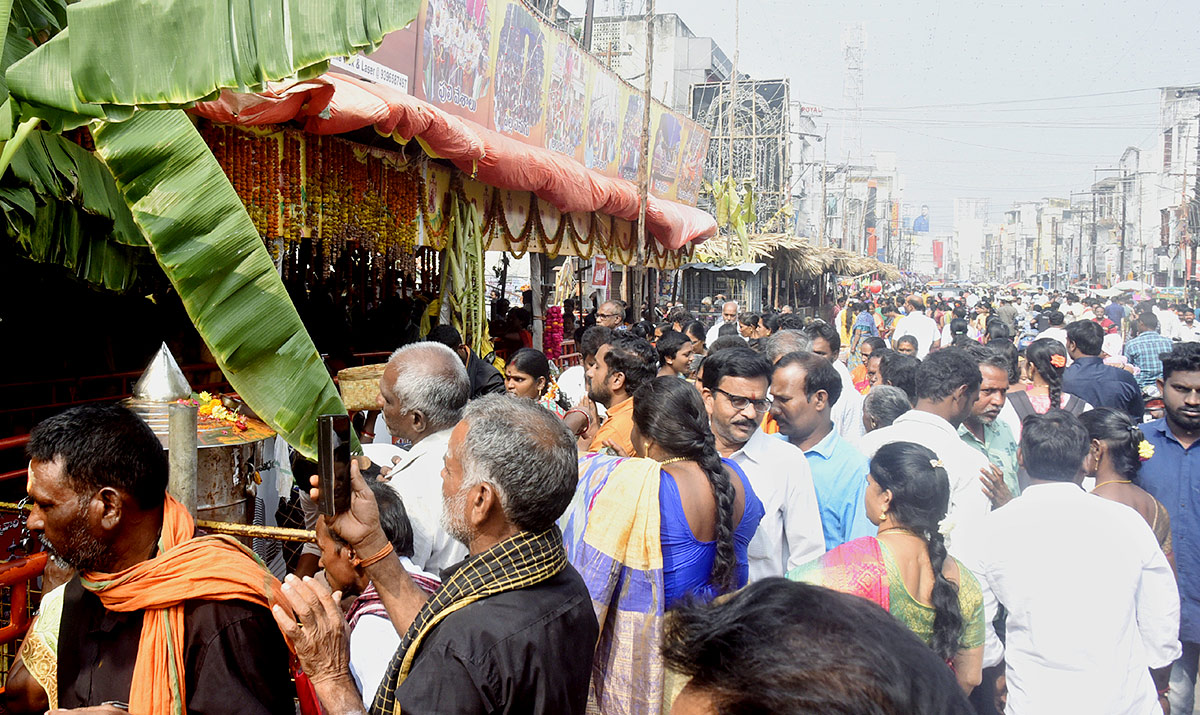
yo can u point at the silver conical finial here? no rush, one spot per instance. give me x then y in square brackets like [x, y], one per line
[162, 381]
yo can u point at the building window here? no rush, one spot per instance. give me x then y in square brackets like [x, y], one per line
[1168, 147]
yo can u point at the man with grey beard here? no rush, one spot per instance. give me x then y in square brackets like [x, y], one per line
[97, 485]
[512, 627]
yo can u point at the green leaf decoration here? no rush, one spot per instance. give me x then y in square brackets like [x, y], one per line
[152, 52]
[204, 240]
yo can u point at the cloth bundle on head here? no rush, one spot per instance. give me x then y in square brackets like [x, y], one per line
[186, 567]
[612, 531]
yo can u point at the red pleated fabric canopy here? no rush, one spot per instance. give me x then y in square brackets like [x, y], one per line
[335, 104]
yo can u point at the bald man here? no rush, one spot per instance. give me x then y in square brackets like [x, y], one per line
[729, 313]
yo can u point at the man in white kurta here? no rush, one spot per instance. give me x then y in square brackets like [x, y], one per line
[920, 326]
[1092, 602]
[422, 394]
[947, 387]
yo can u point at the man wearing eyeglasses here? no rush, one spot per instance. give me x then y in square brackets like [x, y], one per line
[729, 314]
[610, 314]
[804, 389]
[735, 384]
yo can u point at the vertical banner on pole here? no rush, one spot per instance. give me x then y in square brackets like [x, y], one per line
[600, 274]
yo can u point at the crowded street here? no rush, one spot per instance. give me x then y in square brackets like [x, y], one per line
[599, 357]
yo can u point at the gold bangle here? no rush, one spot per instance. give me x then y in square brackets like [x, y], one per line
[383, 553]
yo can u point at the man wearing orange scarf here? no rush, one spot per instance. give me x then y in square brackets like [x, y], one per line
[157, 620]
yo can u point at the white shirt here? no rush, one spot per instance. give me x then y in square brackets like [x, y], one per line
[1092, 602]
[417, 478]
[372, 641]
[963, 464]
[1168, 324]
[848, 410]
[711, 336]
[1059, 334]
[921, 327]
[1189, 335]
[790, 532]
[573, 384]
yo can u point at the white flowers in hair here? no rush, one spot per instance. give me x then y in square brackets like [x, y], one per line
[936, 464]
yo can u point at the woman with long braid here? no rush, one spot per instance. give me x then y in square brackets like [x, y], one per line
[669, 525]
[905, 567]
[709, 512]
[1045, 361]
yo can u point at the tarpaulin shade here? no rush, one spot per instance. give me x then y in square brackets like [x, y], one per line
[335, 104]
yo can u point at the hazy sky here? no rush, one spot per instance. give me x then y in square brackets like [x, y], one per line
[925, 60]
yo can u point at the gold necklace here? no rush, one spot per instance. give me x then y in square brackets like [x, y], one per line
[900, 529]
[673, 460]
[1113, 481]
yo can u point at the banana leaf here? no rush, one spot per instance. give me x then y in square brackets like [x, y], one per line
[57, 232]
[153, 52]
[204, 240]
[52, 166]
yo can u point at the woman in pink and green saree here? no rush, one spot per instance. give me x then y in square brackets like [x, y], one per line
[905, 567]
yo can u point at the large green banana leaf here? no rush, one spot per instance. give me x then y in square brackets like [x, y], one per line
[204, 240]
[154, 52]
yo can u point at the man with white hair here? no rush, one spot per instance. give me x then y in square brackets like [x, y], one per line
[729, 314]
[422, 395]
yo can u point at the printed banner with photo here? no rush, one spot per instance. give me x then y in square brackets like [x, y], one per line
[497, 63]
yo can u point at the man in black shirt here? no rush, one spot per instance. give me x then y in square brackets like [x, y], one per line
[1089, 379]
[512, 629]
[97, 483]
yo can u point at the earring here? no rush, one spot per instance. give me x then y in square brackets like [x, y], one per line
[645, 448]
[882, 516]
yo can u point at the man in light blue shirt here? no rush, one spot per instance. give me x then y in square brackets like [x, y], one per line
[804, 388]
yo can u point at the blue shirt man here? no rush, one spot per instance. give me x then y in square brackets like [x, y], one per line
[1115, 312]
[1089, 379]
[839, 473]
[804, 388]
[1145, 349]
[1172, 476]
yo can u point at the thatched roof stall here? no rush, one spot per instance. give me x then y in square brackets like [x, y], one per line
[800, 274]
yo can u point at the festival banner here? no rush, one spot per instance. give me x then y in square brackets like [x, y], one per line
[499, 64]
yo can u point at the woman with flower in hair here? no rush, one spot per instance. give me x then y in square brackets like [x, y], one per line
[1042, 374]
[905, 567]
[1114, 460]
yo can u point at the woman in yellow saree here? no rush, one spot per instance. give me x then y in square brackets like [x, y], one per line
[905, 567]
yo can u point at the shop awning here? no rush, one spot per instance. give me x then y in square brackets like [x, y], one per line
[335, 104]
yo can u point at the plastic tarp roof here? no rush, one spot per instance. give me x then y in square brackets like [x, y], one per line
[335, 104]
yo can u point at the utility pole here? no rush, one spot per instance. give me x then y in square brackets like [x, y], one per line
[589, 18]
[733, 80]
[1054, 237]
[1121, 260]
[845, 206]
[824, 171]
[1092, 254]
[644, 164]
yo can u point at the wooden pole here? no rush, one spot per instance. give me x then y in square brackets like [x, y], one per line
[536, 280]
